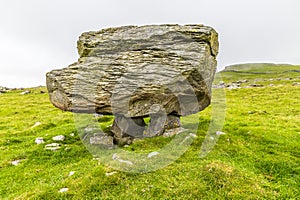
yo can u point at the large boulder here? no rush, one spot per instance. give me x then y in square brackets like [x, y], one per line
[133, 72]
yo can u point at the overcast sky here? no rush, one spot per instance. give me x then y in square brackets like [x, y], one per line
[37, 36]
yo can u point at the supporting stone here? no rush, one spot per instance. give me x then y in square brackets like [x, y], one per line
[160, 123]
[156, 126]
[173, 121]
[125, 129]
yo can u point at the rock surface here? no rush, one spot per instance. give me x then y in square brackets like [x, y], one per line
[53, 146]
[103, 140]
[59, 138]
[138, 67]
[39, 140]
[161, 71]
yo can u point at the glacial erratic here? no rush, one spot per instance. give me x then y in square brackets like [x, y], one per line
[132, 72]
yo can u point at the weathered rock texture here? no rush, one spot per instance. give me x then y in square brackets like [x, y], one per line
[161, 71]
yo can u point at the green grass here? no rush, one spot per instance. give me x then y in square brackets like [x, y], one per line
[262, 73]
[258, 158]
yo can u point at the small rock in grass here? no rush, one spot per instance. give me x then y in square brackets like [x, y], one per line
[193, 135]
[256, 85]
[296, 84]
[220, 133]
[115, 156]
[37, 124]
[62, 190]
[72, 134]
[25, 92]
[39, 140]
[89, 129]
[53, 146]
[67, 148]
[172, 132]
[152, 154]
[110, 173]
[59, 138]
[125, 161]
[16, 162]
[102, 140]
[71, 173]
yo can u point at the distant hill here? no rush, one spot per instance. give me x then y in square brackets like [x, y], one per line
[262, 68]
[251, 71]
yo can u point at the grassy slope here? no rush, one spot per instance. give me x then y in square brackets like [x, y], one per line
[258, 158]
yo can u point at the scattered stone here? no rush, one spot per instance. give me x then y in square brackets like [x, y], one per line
[110, 173]
[191, 135]
[64, 190]
[241, 81]
[271, 85]
[296, 84]
[36, 124]
[39, 140]
[218, 86]
[53, 146]
[71, 173]
[96, 115]
[103, 140]
[88, 129]
[116, 157]
[172, 132]
[42, 92]
[152, 154]
[16, 162]
[288, 79]
[125, 161]
[72, 134]
[125, 140]
[4, 89]
[59, 138]
[125, 71]
[67, 148]
[256, 85]
[220, 133]
[233, 86]
[25, 92]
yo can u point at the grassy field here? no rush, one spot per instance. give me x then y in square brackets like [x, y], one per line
[257, 158]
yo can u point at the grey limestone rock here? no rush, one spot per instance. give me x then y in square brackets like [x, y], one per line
[132, 72]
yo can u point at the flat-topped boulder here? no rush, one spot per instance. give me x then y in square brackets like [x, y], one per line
[132, 72]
